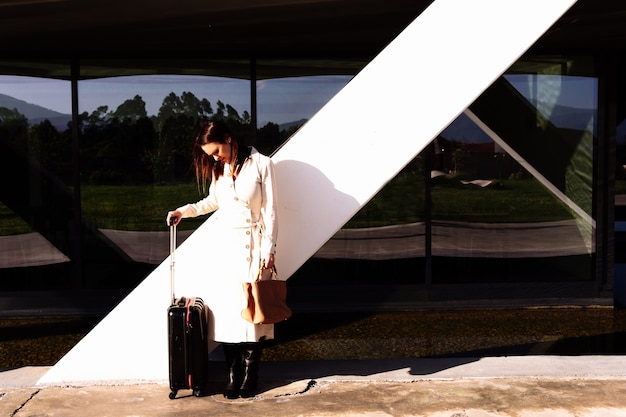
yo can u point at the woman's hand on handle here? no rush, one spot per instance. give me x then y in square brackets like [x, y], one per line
[268, 260]
[173, 218]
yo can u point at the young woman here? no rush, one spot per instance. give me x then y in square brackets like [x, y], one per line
[241, 183]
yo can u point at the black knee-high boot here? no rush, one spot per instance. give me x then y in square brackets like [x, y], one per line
[233, 354]
[251, 359]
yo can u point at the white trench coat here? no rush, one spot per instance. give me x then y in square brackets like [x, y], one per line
[245, 228]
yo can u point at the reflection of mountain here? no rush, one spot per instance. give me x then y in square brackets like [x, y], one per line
[287, 125]
[464, 130]
[573, 118]
[34, 113]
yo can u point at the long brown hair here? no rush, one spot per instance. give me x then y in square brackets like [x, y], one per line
[206, 167]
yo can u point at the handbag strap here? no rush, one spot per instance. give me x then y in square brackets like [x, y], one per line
[274, 272]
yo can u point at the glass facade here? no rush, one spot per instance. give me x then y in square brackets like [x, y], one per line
[36, 246]
[502, 197]
[620, 182]
[500, 204]
[512, 192]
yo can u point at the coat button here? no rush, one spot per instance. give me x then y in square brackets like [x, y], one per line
[247, 259]
[236, 198]
[247, 246]
[248, 232]
[247, 220]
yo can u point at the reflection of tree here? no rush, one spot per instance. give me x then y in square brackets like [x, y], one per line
[187, 104]
[268, 138]
[13, 127]
[175, 139]
[41, 142]
[50, 148]
[461, 159]
[133, 109]
[112, 144]
[125, 145]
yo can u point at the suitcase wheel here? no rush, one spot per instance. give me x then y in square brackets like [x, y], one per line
[173, 395]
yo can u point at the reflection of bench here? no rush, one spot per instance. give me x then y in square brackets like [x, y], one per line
[456, 239]
[145, 247]
[480, 183]
[49, 208]
[462, 239]
[28, 249]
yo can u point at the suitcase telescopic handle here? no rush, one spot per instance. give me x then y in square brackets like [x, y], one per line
[172, 260]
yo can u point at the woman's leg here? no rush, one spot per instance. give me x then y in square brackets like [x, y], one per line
[251, 359]
[233, 354]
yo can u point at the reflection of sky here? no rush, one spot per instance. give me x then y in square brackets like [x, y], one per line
[154, 88]
[569, 91]
[51, 94]
[290, 99]
[567, 101]
[278, 100]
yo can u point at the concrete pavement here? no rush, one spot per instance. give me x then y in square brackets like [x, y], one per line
[520, 386]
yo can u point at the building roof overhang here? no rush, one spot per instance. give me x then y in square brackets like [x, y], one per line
[341, 33]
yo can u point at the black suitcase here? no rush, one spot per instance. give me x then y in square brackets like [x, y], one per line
[187, 337]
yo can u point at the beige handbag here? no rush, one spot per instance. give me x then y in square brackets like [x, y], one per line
[267, 298]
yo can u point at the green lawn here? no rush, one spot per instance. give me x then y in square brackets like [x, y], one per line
[143, 208]
[515, 201]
